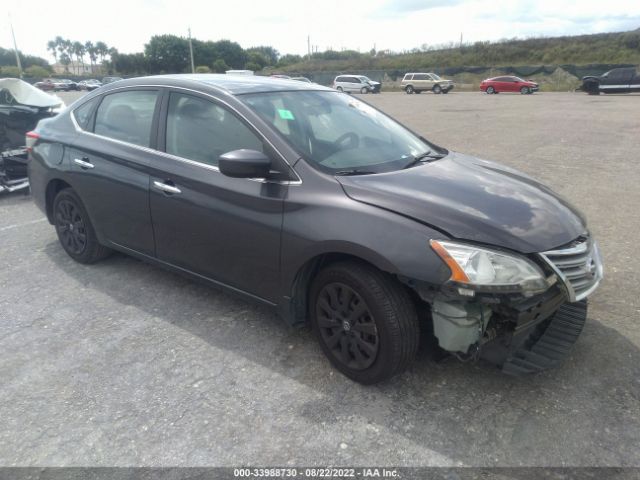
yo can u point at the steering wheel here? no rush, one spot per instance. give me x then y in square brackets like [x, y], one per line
[348, 140]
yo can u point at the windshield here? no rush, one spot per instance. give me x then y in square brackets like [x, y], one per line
[338, 133]
[364, 79]
[435, 77]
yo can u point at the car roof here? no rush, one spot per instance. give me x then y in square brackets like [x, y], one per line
[232, 84]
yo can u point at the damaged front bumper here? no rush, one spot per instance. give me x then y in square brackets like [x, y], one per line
[520, 331]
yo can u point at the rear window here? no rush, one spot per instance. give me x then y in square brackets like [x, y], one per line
[82, 114]
[127, 116]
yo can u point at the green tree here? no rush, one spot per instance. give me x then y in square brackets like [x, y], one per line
[219, 66]
[36, 71]
[269, 54]
[10, 71]
[203, 69]
[167, 54]
[231, 52]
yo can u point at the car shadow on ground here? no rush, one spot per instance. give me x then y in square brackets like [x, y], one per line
[461, 411]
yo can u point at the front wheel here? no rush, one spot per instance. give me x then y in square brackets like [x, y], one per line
[525, 90]
[364, 90]
[445, 91]
[75, 231]
[437, 89]
[365, 321]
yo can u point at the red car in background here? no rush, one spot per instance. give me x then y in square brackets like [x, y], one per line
[508, 83]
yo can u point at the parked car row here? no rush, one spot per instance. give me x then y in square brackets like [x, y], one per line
[57, 85]
[66, 85]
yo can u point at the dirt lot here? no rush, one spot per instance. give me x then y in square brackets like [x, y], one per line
[122, 363]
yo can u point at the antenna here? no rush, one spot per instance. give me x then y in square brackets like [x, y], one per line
[15, 47]
[193, 68]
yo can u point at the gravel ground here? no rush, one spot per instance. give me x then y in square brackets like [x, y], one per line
[124, 364]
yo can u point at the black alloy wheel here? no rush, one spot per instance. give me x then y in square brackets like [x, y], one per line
[347, 326]
[365, 321]
[71, 228]
[75, 231]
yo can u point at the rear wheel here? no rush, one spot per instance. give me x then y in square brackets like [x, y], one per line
[409, 89]
[491, 90]
[74, 229]
[339, 89]
[365, 321]
[437, 89]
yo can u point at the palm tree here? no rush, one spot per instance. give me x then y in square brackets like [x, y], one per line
[79, 51]
[102, 50]
[52, 47]
[91, 51]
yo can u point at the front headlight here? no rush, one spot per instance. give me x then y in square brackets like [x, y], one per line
[490, 270]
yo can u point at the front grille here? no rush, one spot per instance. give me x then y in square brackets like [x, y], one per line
[578, 265]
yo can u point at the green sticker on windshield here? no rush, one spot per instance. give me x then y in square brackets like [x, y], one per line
[285, 114]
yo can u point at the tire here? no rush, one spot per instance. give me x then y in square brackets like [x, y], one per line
[491, 90]
[339, 89]
[365, 321]
[525, 91]
[445, 92]
[418, 92]
[437, 89]
[409, 89]
[75, 231]
[364, 90]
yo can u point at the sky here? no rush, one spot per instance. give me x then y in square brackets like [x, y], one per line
[396, 25]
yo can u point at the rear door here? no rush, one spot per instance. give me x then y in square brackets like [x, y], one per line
[109, 159]
[422, 81]
[225, 229]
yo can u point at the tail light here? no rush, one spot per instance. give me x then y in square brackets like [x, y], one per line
[31, 139]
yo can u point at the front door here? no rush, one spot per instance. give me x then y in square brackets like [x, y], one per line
[225, 229]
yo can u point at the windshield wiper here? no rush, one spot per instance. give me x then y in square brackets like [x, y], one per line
[425, 157]
[354, 171]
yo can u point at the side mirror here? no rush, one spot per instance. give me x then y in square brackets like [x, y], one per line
[244, 164]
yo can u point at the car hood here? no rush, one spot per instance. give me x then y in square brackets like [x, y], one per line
[476, 200]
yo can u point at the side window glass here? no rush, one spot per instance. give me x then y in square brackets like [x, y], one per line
[421, 76]
[82, 114]
[127, 116]
[200, 130]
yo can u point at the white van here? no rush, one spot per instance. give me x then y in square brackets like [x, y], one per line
[356, 83]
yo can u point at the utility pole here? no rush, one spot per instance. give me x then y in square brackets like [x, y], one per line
[15, 47]
[309, 46]
[193, 68]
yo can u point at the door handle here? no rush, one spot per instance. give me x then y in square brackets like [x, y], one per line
[165, 187]
[84, 163]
